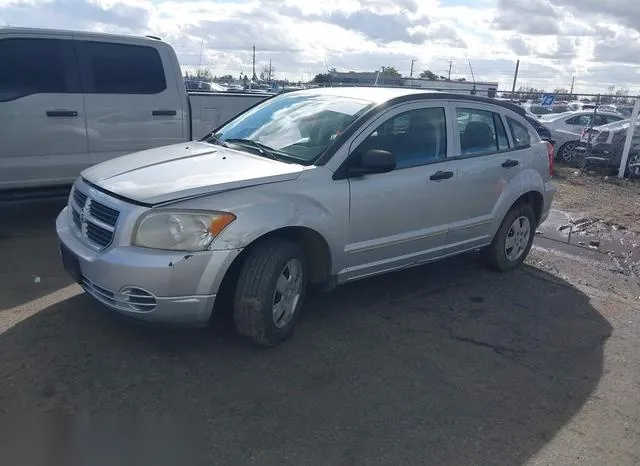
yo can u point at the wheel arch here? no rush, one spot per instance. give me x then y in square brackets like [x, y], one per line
[316, 249]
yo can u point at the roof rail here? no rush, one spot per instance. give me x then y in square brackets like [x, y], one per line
[153, 37]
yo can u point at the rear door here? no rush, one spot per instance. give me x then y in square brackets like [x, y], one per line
[488, 160]
[132, 103]
[43, 139]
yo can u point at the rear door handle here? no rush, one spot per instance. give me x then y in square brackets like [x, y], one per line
[440, 175]
[61, 113]
[164, 113]
[510, 163]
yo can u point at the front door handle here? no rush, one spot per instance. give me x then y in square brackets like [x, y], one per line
[61, 113]
[164, 113]
[509, 163]
[440, 175]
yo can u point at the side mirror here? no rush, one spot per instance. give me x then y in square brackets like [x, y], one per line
[372, 161]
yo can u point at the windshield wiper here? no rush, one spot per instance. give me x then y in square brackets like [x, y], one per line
[263, 149]
[213, 139]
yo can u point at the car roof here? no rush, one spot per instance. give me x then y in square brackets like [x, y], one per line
[11, 30]
[381, 95]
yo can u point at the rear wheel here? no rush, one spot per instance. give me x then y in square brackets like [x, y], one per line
[512, 242]
[270, 291]
[633, 166]
[568, 154]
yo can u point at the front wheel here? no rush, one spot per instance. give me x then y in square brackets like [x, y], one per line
[512, 242]
[270, 291]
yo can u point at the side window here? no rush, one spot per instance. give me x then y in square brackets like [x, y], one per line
[37, 66]
[415, 137]
[611, 118]
[481, 131]
[121, 69]
[503, 141]
[580, 120]
[520, 134]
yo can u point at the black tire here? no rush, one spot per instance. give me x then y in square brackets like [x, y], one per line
[494, 255]
[256, 288]
[564, 152]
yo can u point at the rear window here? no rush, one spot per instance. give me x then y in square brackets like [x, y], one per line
[520, 134]
[121, 69]
[37, 66]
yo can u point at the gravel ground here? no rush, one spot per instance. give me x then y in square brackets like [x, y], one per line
[594, 197]
[446, 364]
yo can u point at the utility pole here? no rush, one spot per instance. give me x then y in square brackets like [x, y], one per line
[450, 65]
[573, 80]
[269, 69]
[411, 72]
[254, 78]
[515, 78]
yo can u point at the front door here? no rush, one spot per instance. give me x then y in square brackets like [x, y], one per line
[132, 104]
[401, 218]
[43, 137]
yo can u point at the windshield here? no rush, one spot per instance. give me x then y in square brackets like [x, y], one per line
[293, 126]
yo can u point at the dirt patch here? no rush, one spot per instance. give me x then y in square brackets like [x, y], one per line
[613, 202]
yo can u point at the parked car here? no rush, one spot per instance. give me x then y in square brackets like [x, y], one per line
[602, 147]
[566, 129]
[542, 130]
[69, 100]
[321, 186]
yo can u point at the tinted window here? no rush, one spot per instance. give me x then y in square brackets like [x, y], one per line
[481, 131]
[37, 66]
[121, 69]
[611, 118]
[520, 134]
[580, 120]
[415, 137]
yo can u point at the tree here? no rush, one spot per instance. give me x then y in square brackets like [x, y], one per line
[390, 71]
[321, 78]
[430, 75]
[204, 74]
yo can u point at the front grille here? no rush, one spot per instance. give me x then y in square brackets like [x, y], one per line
[95, 222]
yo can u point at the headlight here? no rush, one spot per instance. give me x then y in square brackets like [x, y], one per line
[180, 231]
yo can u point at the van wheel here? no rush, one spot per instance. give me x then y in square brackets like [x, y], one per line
[512, 242]
[270, 291]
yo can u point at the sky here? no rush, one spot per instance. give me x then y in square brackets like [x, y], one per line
[597, 41]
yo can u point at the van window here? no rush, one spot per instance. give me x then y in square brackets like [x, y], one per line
[416, 137]
[481, 131]
[121, 69]
[520, 134]
[37, 66]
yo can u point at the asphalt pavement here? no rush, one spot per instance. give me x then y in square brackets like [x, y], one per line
[446, 364]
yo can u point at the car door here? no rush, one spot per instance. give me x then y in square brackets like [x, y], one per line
[487, 162]
[43, 139]
[401, 218]
[131, 103]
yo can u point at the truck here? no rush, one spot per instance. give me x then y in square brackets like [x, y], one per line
[70, 100]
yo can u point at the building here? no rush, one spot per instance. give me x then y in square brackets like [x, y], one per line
[352, 78]
[486, 89]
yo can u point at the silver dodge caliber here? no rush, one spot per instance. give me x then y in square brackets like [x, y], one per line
[321, 186]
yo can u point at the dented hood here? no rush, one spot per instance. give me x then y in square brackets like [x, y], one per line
[184, 170]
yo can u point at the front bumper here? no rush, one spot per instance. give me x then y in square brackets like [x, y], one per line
[161, 287]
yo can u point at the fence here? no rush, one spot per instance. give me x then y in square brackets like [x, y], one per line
[603, 143]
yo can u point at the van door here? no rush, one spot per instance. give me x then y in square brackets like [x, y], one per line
[131, 103]
[401, 218]
[43, 139]
[487, 163]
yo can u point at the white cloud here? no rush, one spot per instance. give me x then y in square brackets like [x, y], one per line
[554, 39]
